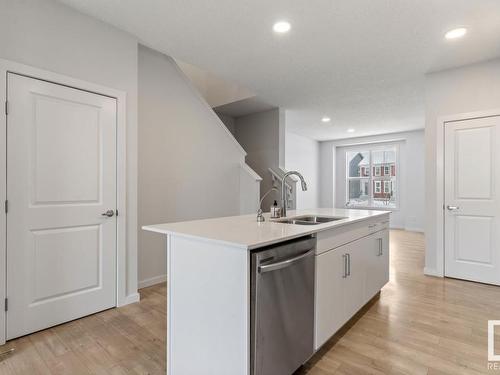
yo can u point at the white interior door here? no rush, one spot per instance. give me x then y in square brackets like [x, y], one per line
[472, 204]
[61, 178]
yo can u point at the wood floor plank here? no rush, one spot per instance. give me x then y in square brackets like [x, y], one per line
[25, 360]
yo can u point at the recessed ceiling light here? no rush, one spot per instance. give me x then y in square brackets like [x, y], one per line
[456, 33]
[351, 130]
[282, 27]
[326, 119]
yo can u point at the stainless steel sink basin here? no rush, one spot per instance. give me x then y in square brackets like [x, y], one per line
[318, 219]
[309, 220]
[299, 222]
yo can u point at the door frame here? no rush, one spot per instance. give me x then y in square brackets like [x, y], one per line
[440, 187]
[6, 67]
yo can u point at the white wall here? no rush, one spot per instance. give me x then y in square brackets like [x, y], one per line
[468, 89]
[189, 164]
[249, 190]
[229, 121]
[53, 37]
[259, 135]
[302, 154]
[410, 214]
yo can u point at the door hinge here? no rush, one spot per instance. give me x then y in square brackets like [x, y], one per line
[6, 206]
[6, 304]
[6, 107]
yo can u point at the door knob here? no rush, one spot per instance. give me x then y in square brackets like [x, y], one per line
[452, 208]
[109, 213]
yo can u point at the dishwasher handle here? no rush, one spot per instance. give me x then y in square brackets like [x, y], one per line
[285, 263]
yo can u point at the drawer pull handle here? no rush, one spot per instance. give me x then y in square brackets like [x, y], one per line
[285, 263]
[380, 247]
[344, 271]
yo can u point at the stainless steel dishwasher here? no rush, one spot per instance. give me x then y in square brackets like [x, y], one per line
[282, 306]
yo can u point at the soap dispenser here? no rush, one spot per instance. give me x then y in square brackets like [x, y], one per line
[275, 210]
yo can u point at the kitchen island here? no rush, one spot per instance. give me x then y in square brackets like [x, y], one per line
[209, 282]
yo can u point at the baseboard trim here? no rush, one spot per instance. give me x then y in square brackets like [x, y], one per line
[414, 229]
[131, 298]
[396, 227]
[152, 281]
[432, 272]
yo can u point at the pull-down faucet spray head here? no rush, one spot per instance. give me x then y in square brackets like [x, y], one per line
[284, 198]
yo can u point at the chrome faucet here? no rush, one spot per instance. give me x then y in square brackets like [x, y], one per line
[283, 189]
[260, 216]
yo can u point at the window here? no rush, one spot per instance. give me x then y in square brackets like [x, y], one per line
[364, 172]
[372, 177]
[387, 187]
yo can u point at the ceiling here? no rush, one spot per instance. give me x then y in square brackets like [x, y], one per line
[360, 62]
[244, 107]
[217, 92]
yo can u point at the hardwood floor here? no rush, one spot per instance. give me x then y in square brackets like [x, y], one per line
[128, 340]
[419, 325]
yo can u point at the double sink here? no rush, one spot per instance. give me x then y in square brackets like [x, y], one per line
[309, 220]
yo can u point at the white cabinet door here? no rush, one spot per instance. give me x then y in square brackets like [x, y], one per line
[354, 289]
[472, 199]
[373, 251]
[330, 284]
[377, 262]
[346, 278]
[384, 265]
[61, 159]
[340, 288]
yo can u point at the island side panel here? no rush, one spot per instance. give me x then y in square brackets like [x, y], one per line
[208, 322]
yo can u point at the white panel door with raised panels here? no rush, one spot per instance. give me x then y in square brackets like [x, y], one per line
[472, 203]
[61, 178]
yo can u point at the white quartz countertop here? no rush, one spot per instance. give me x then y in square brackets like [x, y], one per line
[245, 232]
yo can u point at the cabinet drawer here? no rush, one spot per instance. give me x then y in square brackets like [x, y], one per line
[380, 224]
[330, 239]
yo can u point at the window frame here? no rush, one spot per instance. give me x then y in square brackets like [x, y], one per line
[373, 177]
